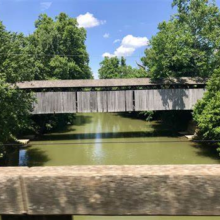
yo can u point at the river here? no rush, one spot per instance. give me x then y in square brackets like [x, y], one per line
[114, 139]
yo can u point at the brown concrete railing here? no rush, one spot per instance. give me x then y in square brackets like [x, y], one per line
[111, 190]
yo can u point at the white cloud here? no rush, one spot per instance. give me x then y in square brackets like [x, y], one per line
[123, 51]
[108, 55]
[128, 46]
[106, 35]
[134, 42]
[116, 41]
[88, 21]
[45, 5]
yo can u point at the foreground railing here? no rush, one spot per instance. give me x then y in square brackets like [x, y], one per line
[189, 190]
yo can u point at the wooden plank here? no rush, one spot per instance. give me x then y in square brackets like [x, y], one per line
[83, 99]
[93, 102]
[87, 102]
[102, 103]
[141, 97]
[129, 100]
[116, 101]
[167, 99]
[69, 102]
[55, 102]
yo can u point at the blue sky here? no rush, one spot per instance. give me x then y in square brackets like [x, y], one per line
[114, 27]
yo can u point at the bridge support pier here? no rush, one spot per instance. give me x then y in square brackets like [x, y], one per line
[37, 217]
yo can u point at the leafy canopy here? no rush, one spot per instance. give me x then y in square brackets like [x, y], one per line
[207, 110]
[188, 44]
[15, 63]
[15, 108]
[59, 49]
[112, 68]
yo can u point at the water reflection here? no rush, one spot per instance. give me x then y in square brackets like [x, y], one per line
[112, 139]
[33, 157]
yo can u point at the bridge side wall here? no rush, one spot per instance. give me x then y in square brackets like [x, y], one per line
[167, 99]
[111, 190]
[116, 101]
[54, 102]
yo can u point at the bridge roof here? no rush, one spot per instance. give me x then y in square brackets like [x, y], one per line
[110, 83]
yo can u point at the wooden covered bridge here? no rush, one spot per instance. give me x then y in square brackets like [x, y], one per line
[115, 95]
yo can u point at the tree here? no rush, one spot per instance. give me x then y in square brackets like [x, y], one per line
[15, 106]
[188, 44]
[109, 68]
[59, 49]
[113, 68]
[15, 63]
[207, 111]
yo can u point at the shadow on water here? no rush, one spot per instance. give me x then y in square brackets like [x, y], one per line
[34, 157]
[81, 120]
[110, 135]
[207, 150]
[131, 115]
[157, 129]
[78, 120]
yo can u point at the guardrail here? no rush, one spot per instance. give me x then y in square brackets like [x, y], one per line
[189, 190]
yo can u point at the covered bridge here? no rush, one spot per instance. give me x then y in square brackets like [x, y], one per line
[115, 95]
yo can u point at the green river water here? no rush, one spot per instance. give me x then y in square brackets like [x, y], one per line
[114, 139]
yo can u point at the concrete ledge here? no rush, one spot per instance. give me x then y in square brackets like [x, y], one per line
[111, 190]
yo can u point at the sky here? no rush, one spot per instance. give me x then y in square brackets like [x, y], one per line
[114, 27]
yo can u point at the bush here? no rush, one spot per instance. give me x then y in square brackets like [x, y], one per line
[207, 111]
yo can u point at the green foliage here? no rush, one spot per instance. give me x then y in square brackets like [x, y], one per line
[47, 123]
[148, 115]
[113, 68]
[59, 49]
[207, 110]
[15, 63]
[15, 108]
[188, 44]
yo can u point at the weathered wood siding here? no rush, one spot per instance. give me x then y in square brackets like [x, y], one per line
[102, 101]
[55, 102]
[116, 101]
[167, 99]
[129, 97]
